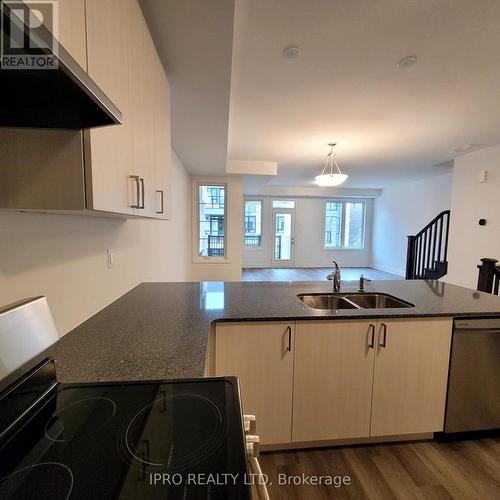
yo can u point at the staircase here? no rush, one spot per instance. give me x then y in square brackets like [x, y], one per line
[427, 256]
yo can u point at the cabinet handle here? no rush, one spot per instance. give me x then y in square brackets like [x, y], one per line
[143, 193]
[371, 332]
[161, 193]
[137, 191]
[289, 330]
[383, 330]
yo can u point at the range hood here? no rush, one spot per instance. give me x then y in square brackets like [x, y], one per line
[60, 97]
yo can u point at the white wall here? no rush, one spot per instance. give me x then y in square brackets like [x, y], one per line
[228, 269]
[471, 201]
[308, 247]
[64, 257]
[403, 210]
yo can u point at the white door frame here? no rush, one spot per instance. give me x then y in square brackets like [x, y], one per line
[282, 263]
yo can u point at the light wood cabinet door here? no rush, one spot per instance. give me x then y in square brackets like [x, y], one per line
[72, 29]
[261, 355]
[151, 144]
[143, 101]
[162, 146]
[411, 372]
[108, 150]
[332, 380]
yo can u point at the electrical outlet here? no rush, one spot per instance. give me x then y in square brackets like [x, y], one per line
[111, 258]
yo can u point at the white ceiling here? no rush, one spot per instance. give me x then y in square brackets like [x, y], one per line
[391, 124]
[194, 39]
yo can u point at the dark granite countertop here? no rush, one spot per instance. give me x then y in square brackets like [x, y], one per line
[160, 330]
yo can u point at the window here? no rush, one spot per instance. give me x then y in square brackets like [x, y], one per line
[344, 224]
[283, 204]
[253, 223]
[354, 225]
[211, 221]
[333, 224]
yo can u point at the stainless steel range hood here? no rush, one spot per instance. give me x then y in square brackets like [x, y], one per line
[62, 96]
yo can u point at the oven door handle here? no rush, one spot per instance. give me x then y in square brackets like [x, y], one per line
[260, 485]
[259, 480]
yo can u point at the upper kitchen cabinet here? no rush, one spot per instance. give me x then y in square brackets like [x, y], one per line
[129, 163]
[72, 29]
[123, 169]
[108, 151]
[162, 145]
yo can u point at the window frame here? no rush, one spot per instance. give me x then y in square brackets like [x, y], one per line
[197, 258]
[285, 200]
[260, 247]
[344, 201]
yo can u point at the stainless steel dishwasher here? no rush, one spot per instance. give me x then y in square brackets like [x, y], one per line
[473, 400]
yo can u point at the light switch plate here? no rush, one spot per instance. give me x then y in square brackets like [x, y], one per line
[111, 258]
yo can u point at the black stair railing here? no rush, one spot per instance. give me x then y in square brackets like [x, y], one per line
[489, 276]
[427, 255]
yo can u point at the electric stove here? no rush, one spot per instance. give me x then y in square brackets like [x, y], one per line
[172, 439]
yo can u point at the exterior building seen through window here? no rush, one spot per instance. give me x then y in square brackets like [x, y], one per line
[344, 224]
[253, 223]
[211, 221]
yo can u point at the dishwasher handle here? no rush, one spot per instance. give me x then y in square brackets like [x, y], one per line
[491, 325]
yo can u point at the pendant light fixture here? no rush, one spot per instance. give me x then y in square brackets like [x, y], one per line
[328, 177]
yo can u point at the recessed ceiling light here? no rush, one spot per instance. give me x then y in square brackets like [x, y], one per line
[291, 52]
[406, 62]
[461, 149]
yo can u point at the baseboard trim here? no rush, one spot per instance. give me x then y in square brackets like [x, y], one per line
[386, 269]
[347, 442]
[326, 266]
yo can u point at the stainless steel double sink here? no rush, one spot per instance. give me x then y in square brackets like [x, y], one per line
[359, 300]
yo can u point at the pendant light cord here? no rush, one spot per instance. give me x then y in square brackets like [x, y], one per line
[330, 161]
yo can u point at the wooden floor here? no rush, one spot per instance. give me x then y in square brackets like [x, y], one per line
[468, 470]
[313, 274]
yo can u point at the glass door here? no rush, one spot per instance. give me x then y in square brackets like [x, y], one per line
[282, 237]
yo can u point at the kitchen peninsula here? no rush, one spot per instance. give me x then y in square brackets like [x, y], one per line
[161, 330]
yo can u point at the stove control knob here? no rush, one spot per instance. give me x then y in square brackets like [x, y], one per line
[253, 446]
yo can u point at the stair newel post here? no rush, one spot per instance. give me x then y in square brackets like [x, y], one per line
[486, 277]
[410, 258]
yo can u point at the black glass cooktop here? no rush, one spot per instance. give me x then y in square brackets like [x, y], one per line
[179, 439]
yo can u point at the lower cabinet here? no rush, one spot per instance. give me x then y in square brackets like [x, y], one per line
[261, 355]
[333, 379]
[410, 376]
[326, 380]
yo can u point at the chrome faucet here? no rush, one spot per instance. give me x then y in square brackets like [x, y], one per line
[362, 281]
[335, 277]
